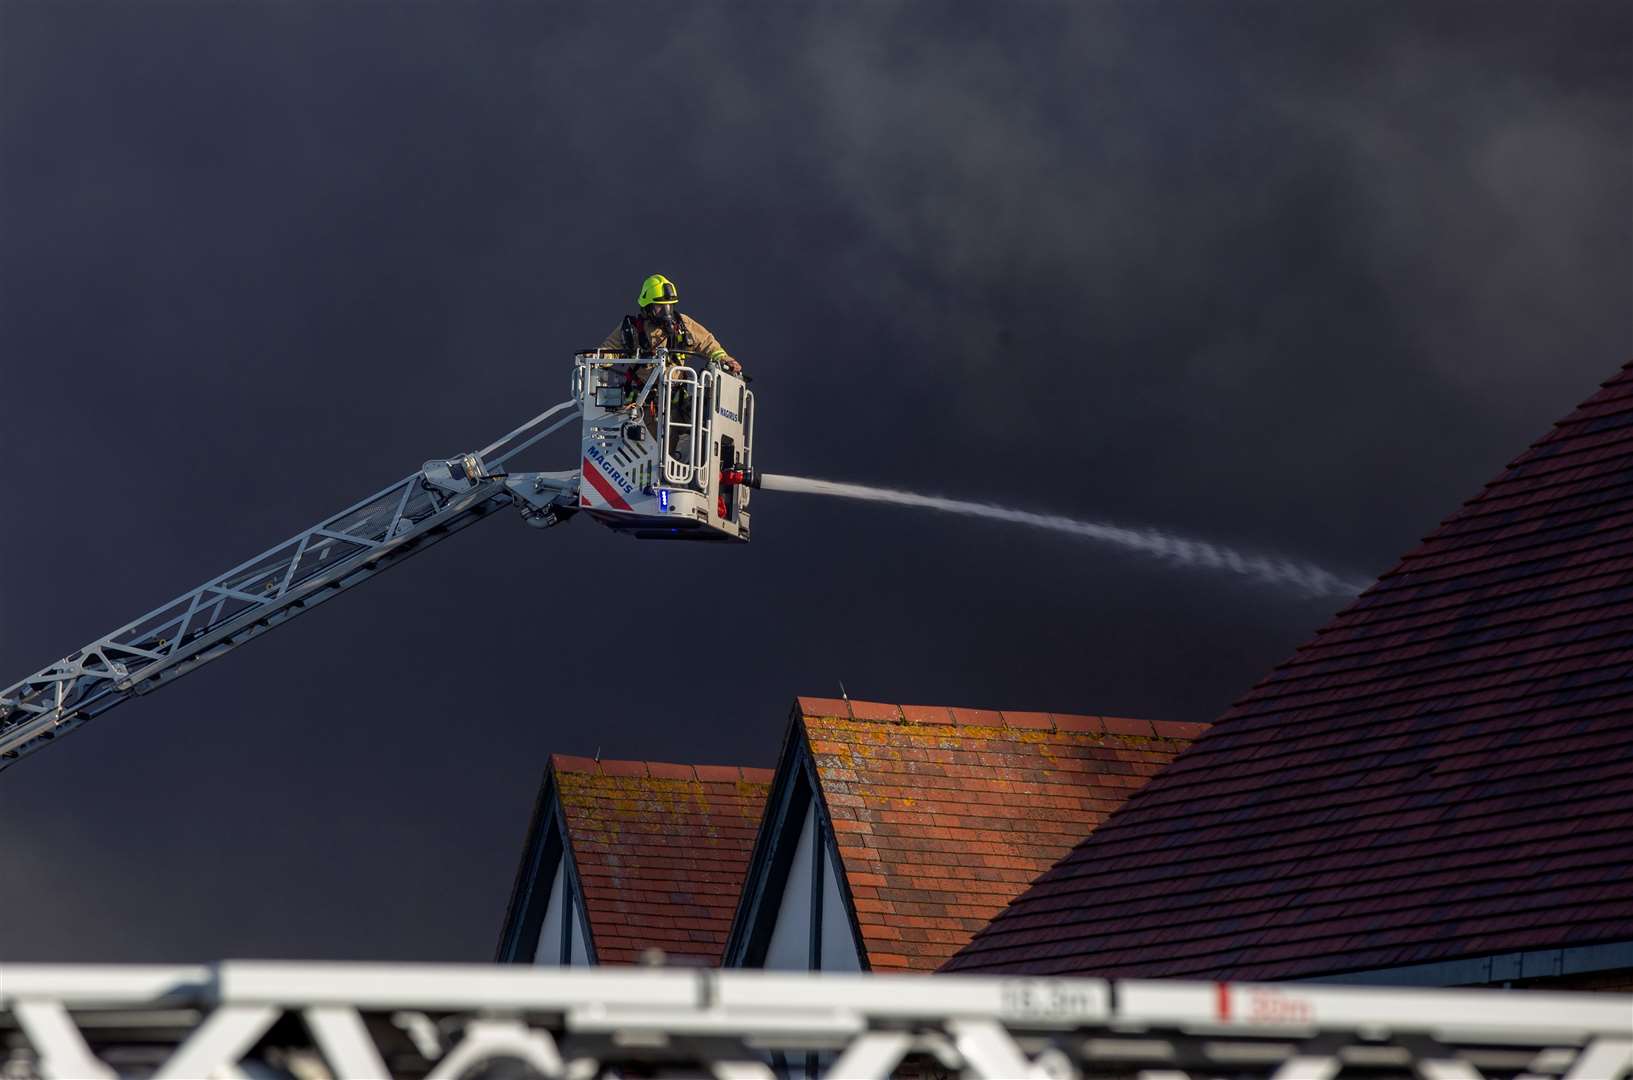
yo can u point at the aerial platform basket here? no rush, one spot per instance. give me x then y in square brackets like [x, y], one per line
[667, 451]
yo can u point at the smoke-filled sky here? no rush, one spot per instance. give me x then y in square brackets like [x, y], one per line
[1294, 278]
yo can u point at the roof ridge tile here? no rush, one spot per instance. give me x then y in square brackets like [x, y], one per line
[659, 770]
[816, 708]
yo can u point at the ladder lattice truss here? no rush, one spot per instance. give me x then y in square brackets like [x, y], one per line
[243, 1019]
[309, 568]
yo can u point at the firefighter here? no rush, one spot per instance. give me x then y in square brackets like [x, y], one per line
[660, 324]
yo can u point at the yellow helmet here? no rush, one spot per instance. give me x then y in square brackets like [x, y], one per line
[657, 289]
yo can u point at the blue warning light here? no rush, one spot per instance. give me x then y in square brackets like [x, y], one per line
[663, 499]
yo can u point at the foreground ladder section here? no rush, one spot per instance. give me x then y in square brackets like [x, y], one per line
[242, 1019]
[310, 567]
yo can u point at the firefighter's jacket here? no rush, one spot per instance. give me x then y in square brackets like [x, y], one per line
[702, 342]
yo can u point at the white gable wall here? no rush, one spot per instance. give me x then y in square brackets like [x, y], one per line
[789, 948]
[549, 950]
[838, 946]
[580, 955]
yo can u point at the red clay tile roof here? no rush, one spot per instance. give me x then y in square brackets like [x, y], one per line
[1444, 772]
[661, 851]
[942, 815]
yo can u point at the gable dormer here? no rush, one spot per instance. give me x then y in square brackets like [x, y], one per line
[623, 857]
[894, 832]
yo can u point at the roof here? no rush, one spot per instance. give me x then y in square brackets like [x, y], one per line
[1444, 772]
[941, 815]
[660, 851]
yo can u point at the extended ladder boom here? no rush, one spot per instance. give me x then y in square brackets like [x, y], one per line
[313, 566]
